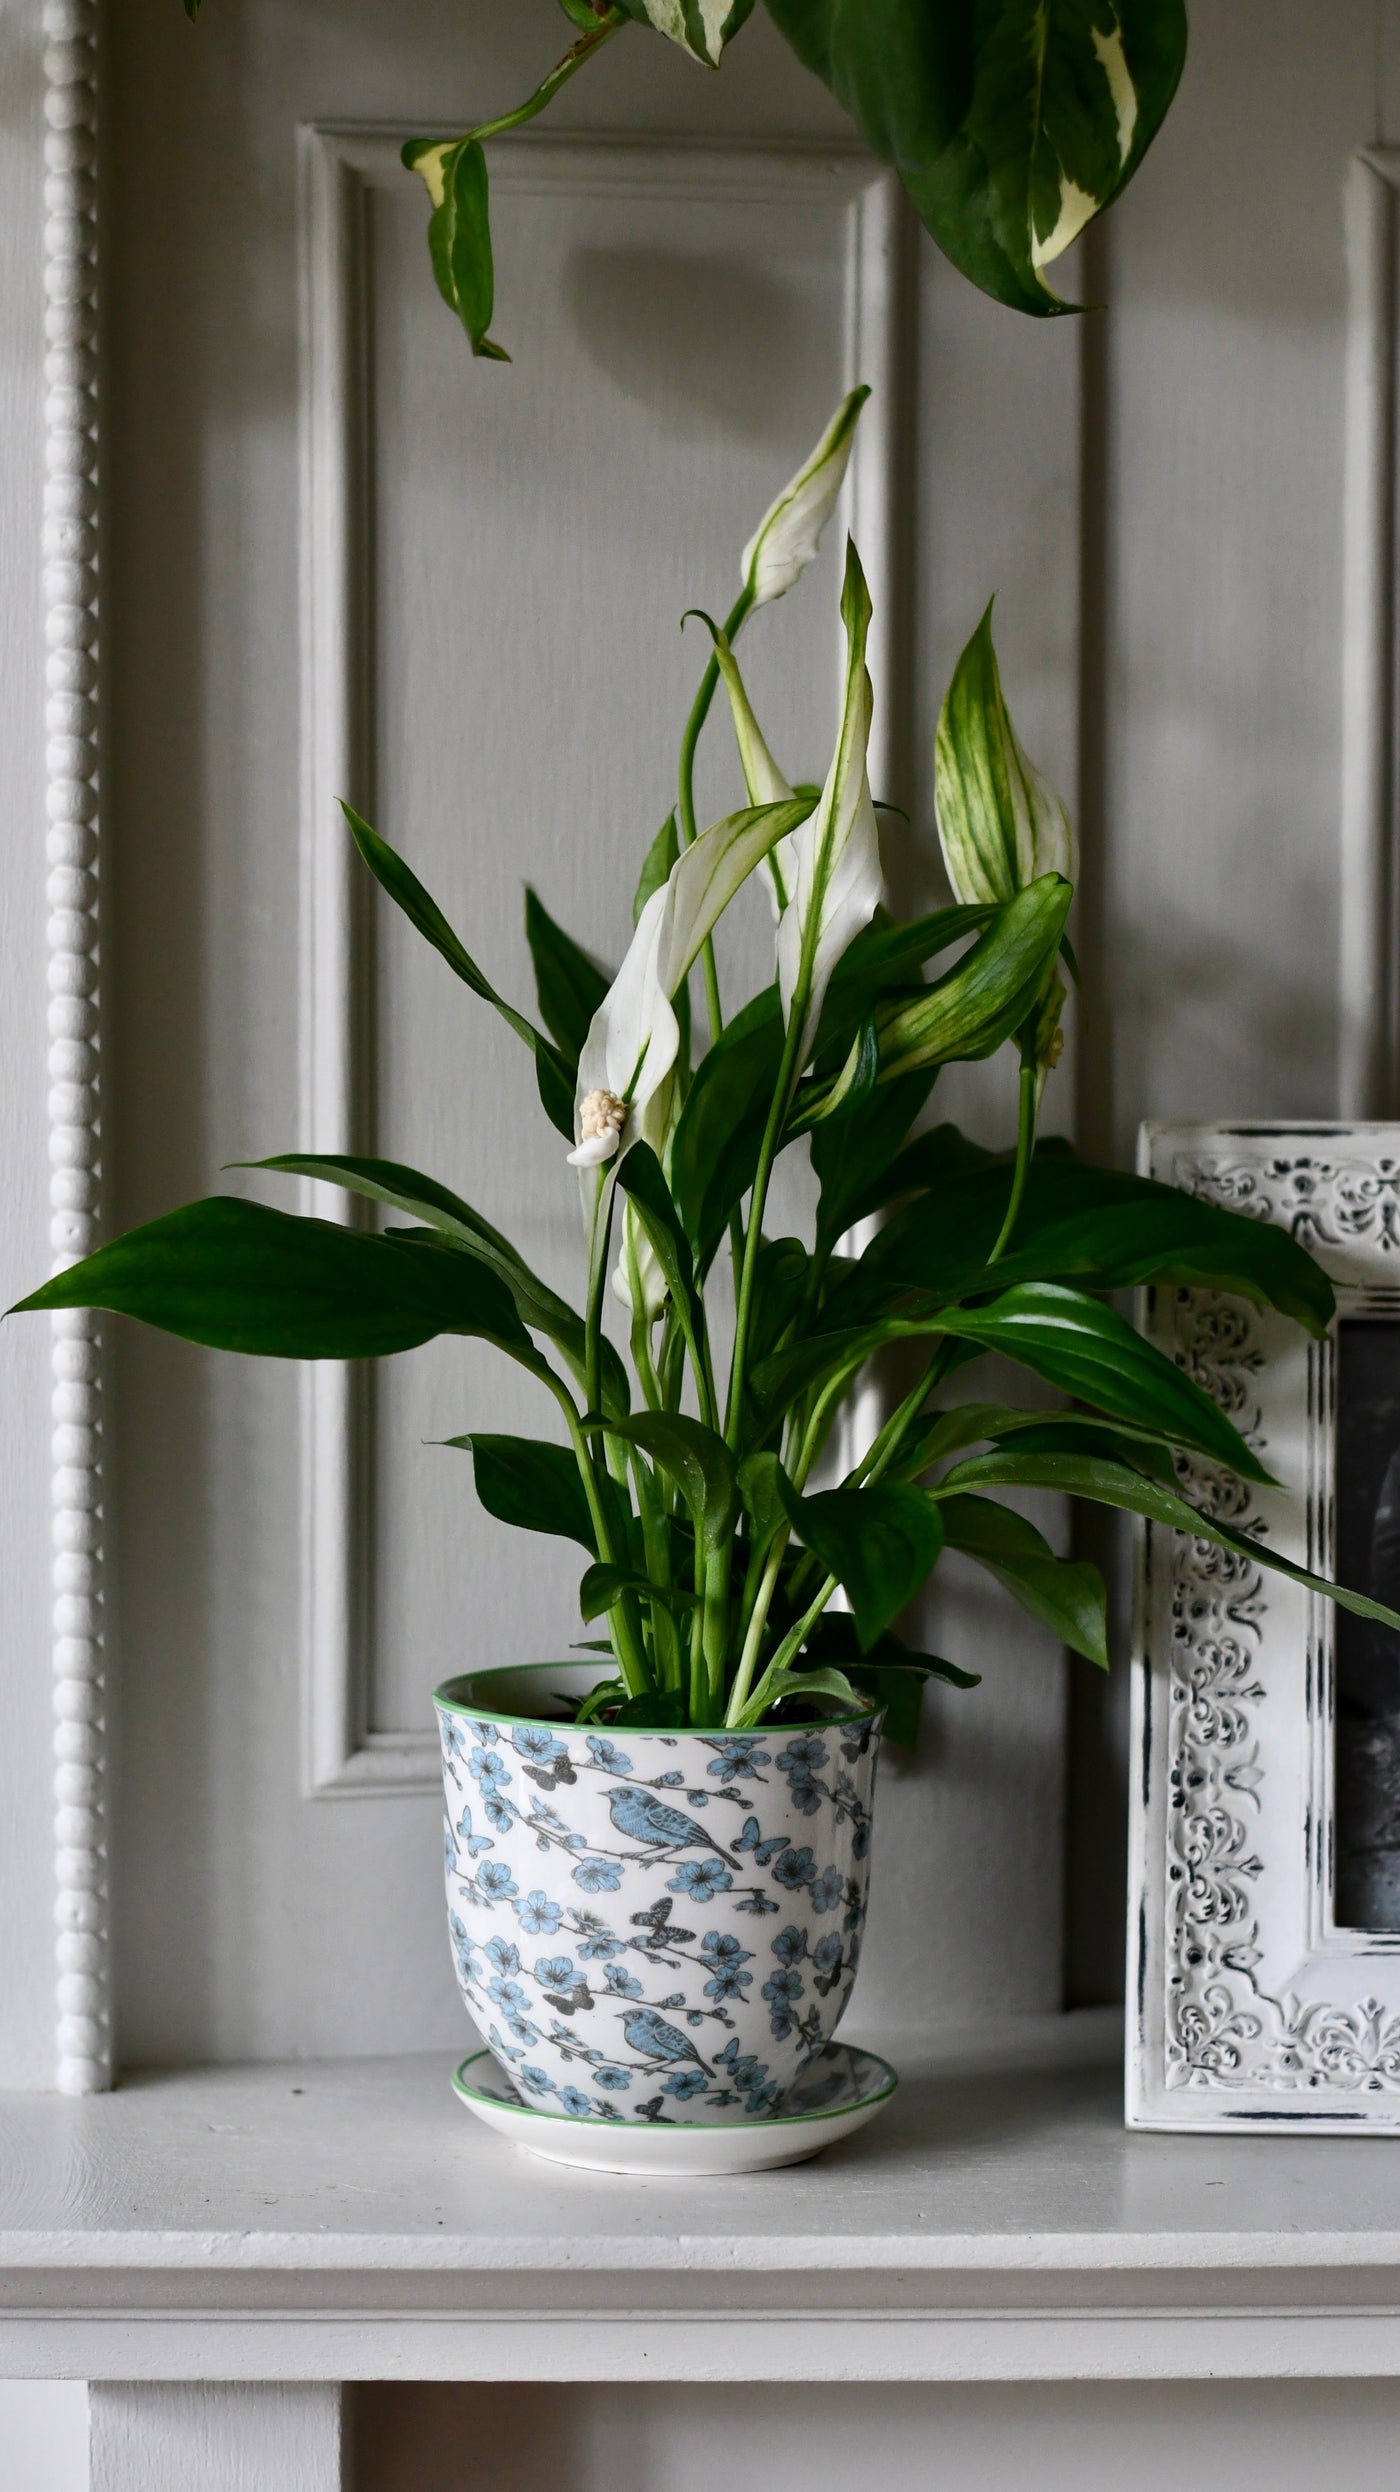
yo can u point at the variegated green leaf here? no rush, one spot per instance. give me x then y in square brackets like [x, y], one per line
[1000, 823]
[790, 531]
[459, 233]
[701, 27]
[1011, 123]
[976, 1007]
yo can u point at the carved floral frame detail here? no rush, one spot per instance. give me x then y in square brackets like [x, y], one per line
[1249, 2006]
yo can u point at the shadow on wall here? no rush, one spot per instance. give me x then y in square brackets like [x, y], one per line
[650, 319]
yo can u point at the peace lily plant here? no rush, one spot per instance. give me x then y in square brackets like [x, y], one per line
[745, 1572]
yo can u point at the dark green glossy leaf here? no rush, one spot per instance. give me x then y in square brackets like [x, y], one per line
[603, 1587]
[780, 1281]
[820, 1104]
[852, 1160]
[781, 1380]
[780, 1683]
[699, 1462]
[536, 1486]
[1010, 122]
[880, 1544]
[237, 1276]
[1064, 1594]
[720, 1131]
[1112, 1484]
[1097, 1227]
[556, 1081]
[657, 1709]
[1087, 1350]
[569, 985]
[950, 1432]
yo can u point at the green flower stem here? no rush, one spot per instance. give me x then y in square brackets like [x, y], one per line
[743, 1717]
[624, 1623]
[686, 833]
[758, 1621]
[753, 1239]
[656, 1541]
[1025, 1145]
[610, 24]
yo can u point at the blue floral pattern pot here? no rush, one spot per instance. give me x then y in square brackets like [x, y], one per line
[651, 1925]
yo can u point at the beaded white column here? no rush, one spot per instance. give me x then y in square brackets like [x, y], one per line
[70, 595]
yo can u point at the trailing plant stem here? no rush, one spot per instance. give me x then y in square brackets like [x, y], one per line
[608, 25]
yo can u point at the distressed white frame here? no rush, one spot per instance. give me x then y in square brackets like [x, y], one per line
[1248, 2007]
[342, 1756]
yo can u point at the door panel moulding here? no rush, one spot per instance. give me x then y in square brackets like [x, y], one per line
[343, 1756]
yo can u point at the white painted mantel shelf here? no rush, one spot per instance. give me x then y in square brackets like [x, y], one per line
[332, 2221]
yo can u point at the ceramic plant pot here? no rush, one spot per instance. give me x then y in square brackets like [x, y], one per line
[651, 1925]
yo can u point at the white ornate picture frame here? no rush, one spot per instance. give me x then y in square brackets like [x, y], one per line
[1250, 2006]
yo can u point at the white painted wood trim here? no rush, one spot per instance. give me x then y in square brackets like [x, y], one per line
[342, 1757]
[83, 2047]
[159, 2436]
[996, 2223]
[1369, 985]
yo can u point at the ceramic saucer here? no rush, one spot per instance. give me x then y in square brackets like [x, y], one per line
[835, 2095]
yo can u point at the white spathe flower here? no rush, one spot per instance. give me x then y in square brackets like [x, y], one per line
[766, 783]
[836, 854]
[634, 1036]
[1000, 823]
[788, 535]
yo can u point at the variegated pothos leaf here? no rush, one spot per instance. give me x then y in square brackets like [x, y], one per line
[701, 27]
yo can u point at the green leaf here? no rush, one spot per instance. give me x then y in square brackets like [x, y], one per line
[851, 1160]
[405, 1189]
[699, 1462]
[535, 1486]
[459, 233]
[1010, 122]
[553, 1075]
[950, 1432]
[1066, 1595]
[656, 870]
[819, 1103]
[809, 1683]
[893, 1675]
[1111, 1484]
[886, 959]
[603, 1587]
[701, 27]
[569, 985]
[974, 1008]
[780, 1282]
[761, 1488]
[1097, 1227]
[1000, 824]
[880, 1543]
[237, 1276]
[777, 1382]
[1087, 1350]
[715, 1151]
[656, 1709]
[640, 1176]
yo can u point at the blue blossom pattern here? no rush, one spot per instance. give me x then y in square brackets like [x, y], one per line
[577, 1880]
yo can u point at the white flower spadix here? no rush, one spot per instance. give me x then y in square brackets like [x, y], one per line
[787, 537]
[836, 854]
[634, 1037]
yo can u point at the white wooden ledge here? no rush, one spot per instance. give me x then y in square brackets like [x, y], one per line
[331, 2221]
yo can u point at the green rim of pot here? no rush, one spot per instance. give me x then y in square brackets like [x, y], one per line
[572, 2120]
[448, 1699]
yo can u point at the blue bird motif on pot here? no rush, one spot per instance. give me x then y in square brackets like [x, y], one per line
[652, 2038]
[643, 1818]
